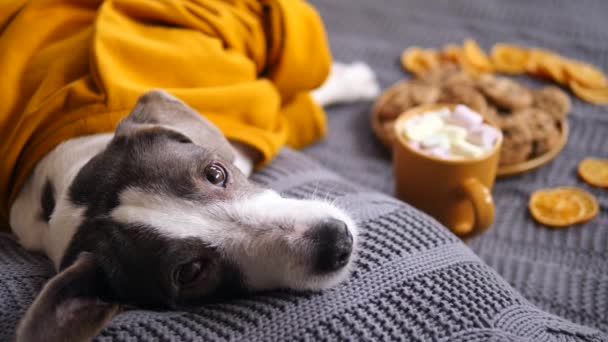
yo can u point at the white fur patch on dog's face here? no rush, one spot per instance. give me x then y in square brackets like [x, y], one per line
[261, 233]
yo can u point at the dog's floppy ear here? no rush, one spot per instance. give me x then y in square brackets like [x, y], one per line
[159, 109]
[69, 307]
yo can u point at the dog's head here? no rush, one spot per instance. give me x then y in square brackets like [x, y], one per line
[167, 220]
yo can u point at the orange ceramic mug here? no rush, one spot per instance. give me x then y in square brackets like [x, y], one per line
[456, 192]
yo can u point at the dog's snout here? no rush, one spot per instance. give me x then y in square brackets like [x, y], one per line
[333, 245]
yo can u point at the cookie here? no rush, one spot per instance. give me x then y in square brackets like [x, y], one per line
[447, 73]
[547, 143]
[463, 94]
[512, 153]
[552, 100]
[544, 130]
[405, 95]
[517, 140]
[422, 93]
[460, 78]
[388, 128]
[398, 101]
[491, 114]
[434, 76]
[505, 93]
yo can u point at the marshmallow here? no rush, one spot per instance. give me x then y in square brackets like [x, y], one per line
[442, 113]
[465, 117]
[454, 133]
[422, 128]
[432, 120]
[437, 140]
[466, 149]
[484, 136]
[412, 122]
[447, 134]
[415, 145]
[440, 152]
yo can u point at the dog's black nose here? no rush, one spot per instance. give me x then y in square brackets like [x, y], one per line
[333, 245]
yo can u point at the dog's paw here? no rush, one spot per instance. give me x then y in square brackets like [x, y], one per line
[347, 83]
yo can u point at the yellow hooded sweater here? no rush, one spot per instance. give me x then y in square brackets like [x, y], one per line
[76, 67]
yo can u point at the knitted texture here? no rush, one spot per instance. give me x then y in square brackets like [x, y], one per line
[412, 281]
[562, 271]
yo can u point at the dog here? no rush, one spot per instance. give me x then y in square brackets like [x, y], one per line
[161, 214]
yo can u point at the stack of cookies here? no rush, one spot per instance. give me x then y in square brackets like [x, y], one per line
[530, 119]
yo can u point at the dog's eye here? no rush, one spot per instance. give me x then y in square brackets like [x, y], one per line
[187, 273]
[215, 174]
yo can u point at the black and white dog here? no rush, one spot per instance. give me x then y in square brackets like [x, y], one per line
[161, 213]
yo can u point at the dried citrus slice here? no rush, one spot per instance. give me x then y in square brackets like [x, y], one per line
[510, 59]
[476, 57]
[594, 171]
[551, 66]
[563, 206]
[590, 204]
[451, 53]
[598, 96]
[546, 64]
[585, 80]
[419, 61]
[585, 74]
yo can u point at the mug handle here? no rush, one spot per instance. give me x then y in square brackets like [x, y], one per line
[483, 205]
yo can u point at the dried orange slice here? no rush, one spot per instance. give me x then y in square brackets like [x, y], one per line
[585, 74]
[419, 61]
[455, 54]
[476, 57]
[510, 59]
[563, 206]
[598, 96]
[585, 80]
[546, 64]
[451, 53]
[594, 171]
[551, 66]
[590, 204]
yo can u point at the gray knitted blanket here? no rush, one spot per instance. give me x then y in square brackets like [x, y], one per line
[413, 281]
[562, 271]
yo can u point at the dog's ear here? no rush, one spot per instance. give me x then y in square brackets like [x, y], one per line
[159, 109]
[69, 307]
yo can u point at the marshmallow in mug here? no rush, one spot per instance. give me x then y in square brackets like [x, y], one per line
[459, 133]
